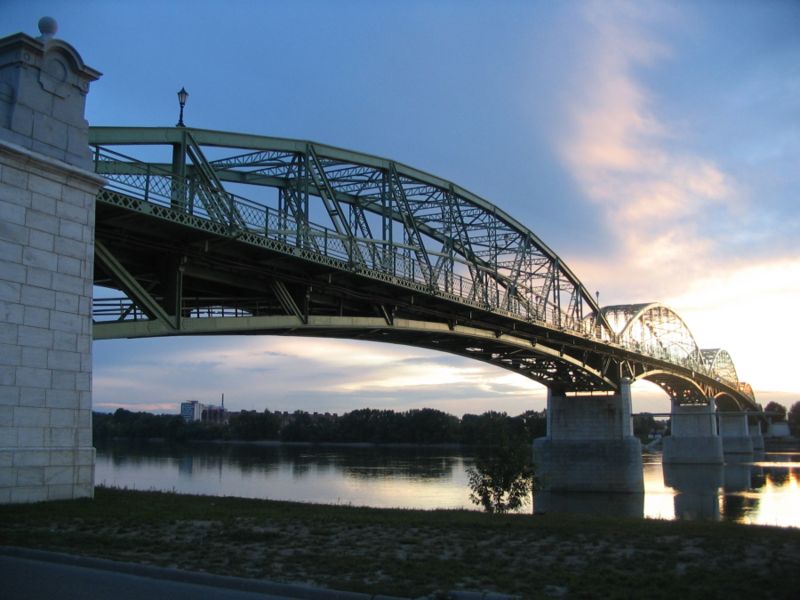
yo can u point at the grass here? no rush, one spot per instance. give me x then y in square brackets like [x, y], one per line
[415, 553]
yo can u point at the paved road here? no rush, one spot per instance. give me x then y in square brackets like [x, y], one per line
[34, 575]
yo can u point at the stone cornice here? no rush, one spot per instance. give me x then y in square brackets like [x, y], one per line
[50, 164]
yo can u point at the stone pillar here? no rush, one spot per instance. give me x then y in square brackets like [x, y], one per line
[756, 436]
[47, 194]
[735, 433]
[693, 435]
[590, 445]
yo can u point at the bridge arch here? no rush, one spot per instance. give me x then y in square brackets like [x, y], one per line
[541, 363]
[720, 365]
[655, 329]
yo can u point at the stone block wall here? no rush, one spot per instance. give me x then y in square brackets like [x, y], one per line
[694, 439]
[585, 417]
[46, 260]
[47, 198]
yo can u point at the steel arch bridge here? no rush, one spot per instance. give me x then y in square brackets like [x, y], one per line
[208, 232]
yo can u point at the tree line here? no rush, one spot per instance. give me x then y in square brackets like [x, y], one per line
[419, 426]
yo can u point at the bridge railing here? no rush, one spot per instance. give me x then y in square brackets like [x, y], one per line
[124, 309]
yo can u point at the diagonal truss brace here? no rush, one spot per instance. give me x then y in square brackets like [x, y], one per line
[316, 171]
[286, 300]
[133, 288]
[217, 200]
[398, 194]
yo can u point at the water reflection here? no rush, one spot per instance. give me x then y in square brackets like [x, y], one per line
[765, 491]
[381, 477]
[352, 461]
[696, 489]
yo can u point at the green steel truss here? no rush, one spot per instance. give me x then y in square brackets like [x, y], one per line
[212, 232]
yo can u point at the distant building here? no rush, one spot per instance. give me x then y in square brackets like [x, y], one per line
[192, 411]
[214, 414]
[779, 429]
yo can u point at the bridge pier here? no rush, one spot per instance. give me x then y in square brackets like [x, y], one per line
[735, 433]
[694, 438]
[47, 196]
[756, 436]
[590, 445]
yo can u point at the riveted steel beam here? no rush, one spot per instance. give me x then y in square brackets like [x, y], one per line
[131, 286]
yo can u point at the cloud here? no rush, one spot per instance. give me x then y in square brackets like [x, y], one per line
[157, 407]
[750, 310]
[629, 161]
[690, 233]
[314, 374]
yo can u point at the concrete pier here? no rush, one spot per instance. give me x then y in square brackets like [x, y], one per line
[590, 445]
[735, 434]
[694, 438]
[756, 437]
[47, 195]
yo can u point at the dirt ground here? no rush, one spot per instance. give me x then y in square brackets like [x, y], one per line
[417, 553]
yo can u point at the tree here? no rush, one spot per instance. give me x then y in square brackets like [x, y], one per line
[501, 479]
[774, 407]
[794, 419]
[535, 424]
[251, 425]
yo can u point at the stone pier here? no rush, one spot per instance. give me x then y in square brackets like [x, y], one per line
[735, 433]
[756, 436]
[47, 195]
[590, 445]
[693, 437]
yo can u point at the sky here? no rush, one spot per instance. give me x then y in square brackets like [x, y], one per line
[655, 146]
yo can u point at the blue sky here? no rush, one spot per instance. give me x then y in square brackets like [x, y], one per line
[655, 146]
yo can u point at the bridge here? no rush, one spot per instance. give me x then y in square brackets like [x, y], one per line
[207, 232]
[289, 236]
[202, 232]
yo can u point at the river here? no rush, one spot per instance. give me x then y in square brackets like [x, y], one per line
[765, 491]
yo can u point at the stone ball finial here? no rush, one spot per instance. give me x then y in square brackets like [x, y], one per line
[47, 27]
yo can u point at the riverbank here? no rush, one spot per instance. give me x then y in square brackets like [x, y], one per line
[414, 553]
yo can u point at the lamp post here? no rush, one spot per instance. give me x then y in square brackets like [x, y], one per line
[182, 96]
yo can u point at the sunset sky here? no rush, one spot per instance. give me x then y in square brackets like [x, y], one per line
[654, 146]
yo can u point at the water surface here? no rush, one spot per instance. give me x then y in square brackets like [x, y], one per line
[764, 491]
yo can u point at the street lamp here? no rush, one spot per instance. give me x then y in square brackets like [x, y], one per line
[182, 96]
